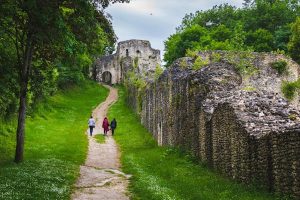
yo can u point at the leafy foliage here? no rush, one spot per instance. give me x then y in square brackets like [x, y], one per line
[294, 43]
[158, 71]
[48, 43]
[200, 62]
[289, 89]
[261, 25]
[280, 66]
[68, 35]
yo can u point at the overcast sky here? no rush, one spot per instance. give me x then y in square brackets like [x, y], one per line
[155, 20]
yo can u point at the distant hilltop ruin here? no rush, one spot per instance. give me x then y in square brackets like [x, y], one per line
[131, 55]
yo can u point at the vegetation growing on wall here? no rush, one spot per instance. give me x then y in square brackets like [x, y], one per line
[138, 83]
[136, 62]
[242, 60]
[215, 57]
[261, 25]
[200, 62]
[158, 71]
[289, 89]
[183, 63]
[280, 66]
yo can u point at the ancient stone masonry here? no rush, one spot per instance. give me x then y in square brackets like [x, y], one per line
[230, 113]
[133, 55]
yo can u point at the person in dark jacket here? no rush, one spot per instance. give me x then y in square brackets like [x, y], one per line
[113, 126]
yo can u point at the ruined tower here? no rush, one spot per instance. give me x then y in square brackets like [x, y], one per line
[135, 53]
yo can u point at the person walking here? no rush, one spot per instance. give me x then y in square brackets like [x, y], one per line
[113, 126]
[91, 124]
[105, 125]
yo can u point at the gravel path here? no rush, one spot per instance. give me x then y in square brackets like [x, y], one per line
[100, 177]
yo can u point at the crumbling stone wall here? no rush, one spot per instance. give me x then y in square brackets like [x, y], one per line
[132, 55]
[251, 135]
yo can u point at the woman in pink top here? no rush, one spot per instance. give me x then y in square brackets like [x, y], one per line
[105, 125]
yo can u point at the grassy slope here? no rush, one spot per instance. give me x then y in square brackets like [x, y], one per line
[55, 146]
[166, 173]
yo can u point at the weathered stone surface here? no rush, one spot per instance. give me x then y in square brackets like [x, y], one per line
[131, 55]
[248, 134]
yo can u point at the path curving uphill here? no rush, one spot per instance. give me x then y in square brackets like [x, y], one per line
[100, 176]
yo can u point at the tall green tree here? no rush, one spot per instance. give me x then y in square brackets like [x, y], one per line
[45, 33]
[261, 25]
[294, 43]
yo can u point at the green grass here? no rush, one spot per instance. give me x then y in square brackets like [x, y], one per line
[55, 146]
[7, 139]
[100, 138]
[167, 173]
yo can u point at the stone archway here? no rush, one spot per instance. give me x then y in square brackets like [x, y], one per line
[106, 77]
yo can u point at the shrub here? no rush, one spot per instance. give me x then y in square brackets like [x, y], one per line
[200, 62]
[158, 71]
[136, 62]
[289, 89]
[191, 53]
[249, 88]
[216, 57]
[280, 66]
[183, 63]
[243, 62]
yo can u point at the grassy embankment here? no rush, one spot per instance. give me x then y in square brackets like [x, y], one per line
[165, 172]
[55, 146]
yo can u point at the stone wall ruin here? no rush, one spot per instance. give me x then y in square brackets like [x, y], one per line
[229, 113]
[132, 55]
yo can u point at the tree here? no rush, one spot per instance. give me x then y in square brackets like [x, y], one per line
[281, 37]
[31, 25]
[294, 43]
[261, 40]
[261, 25]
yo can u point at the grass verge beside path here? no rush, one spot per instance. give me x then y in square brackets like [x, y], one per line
[166, 173]
[55, 146]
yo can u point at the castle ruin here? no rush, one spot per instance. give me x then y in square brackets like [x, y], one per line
[139, 55]
[230, 111]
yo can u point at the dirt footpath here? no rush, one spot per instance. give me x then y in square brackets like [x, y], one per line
[100, 177]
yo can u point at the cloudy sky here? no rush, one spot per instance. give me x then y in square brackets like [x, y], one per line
[155, 20]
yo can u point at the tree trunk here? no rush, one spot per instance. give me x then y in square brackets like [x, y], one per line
[25, 69]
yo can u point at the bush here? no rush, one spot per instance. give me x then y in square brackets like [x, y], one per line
[136, 62]
[280, 66]
[200, 62]
[158, 71]
[289, 89]
[216, 57]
